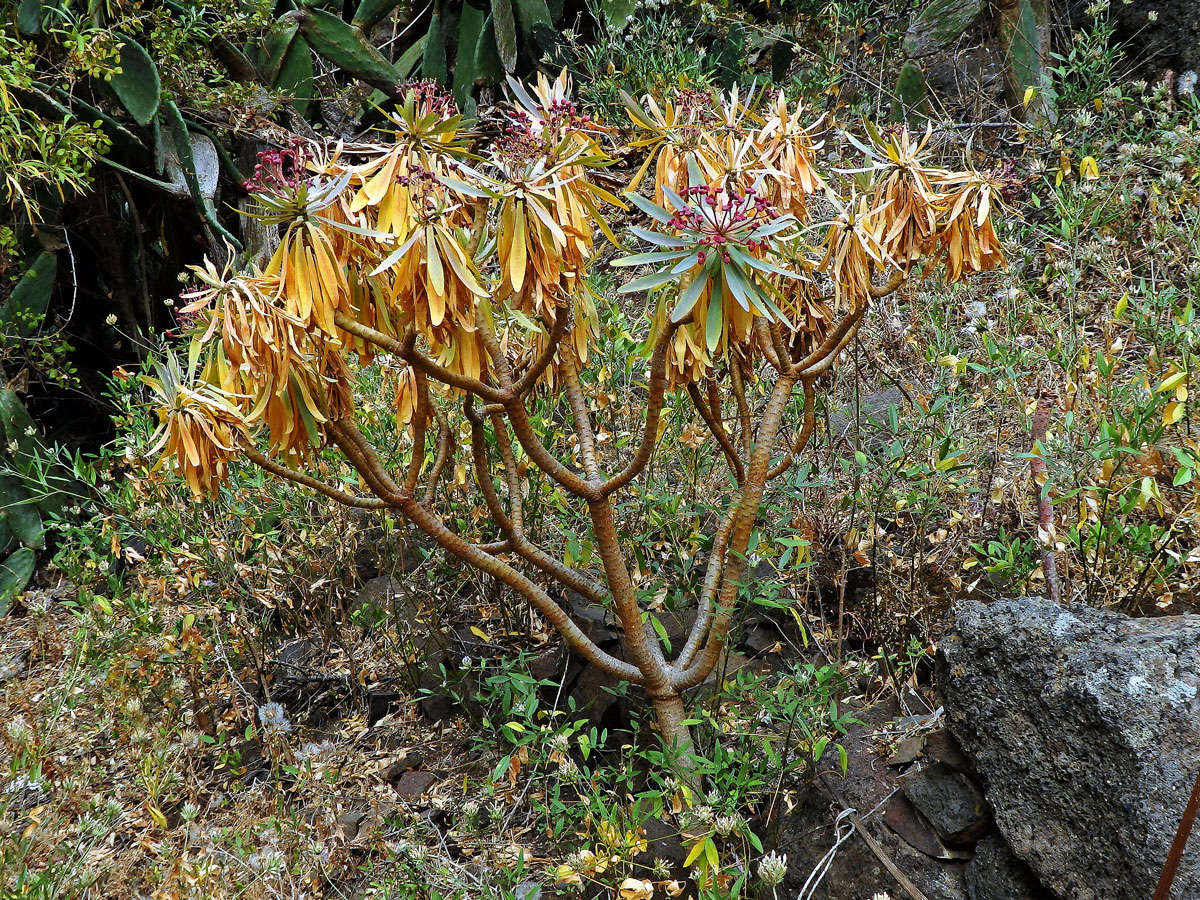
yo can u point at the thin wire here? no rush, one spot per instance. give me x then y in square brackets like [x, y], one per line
[842, 831]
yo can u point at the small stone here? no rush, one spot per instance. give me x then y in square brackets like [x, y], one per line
[412, 786]
[406, 763]
[350, 822]
[907, 750]
[950, 800]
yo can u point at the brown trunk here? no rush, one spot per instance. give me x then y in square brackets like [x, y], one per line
[671, 716]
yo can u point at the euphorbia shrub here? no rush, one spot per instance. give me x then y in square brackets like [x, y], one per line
[466, 267]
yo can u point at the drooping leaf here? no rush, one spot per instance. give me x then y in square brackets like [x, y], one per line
[653, 210]
[647, 282]
[643, 259]
[684, 307]
[716, 317]
[137, 85]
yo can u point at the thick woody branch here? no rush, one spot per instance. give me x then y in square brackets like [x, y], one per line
[766, 343]
[491, 343]
[654, 405]
[745, 512]
[708, 592]
[717, 430]
[830, 346]
[511, 526]
[640, 640]
[511, 476]
[265, 462]
[483, 474]
[419, 427]
[537, 452]
[583, 422]
[739, 396]
[444, 452]
[364, 458]
[406, 351]
[778, 344]
[894, 281]
[806, 430]
[503, 572]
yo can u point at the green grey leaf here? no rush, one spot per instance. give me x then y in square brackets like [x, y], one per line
[15, 574]
[137, 85]
[466, 73]
[505, 26]
[26, 306]
[487, 55]
[29, 17]
[295, 75]
[344, 46]
[433, 63]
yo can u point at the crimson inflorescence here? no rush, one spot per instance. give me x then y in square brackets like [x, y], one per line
[429, 97]
[720, 218]
[696, 104]
[1013, 186]
[279, 172]
[530, 137]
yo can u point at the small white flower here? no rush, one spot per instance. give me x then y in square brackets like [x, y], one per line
[772, 868]
[1187, 83]
[189, 811]
[727, 825]
[975, 310]
[110, 319]
[18, 730]
[30, 431]
[274, 719]
[1152, 16]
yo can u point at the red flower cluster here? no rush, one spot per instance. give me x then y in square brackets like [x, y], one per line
[429, 97]
[723, 217]
[278, 172]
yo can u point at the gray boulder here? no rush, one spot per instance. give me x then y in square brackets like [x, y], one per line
[1084, 727]
[996, 874]
[939, 24]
